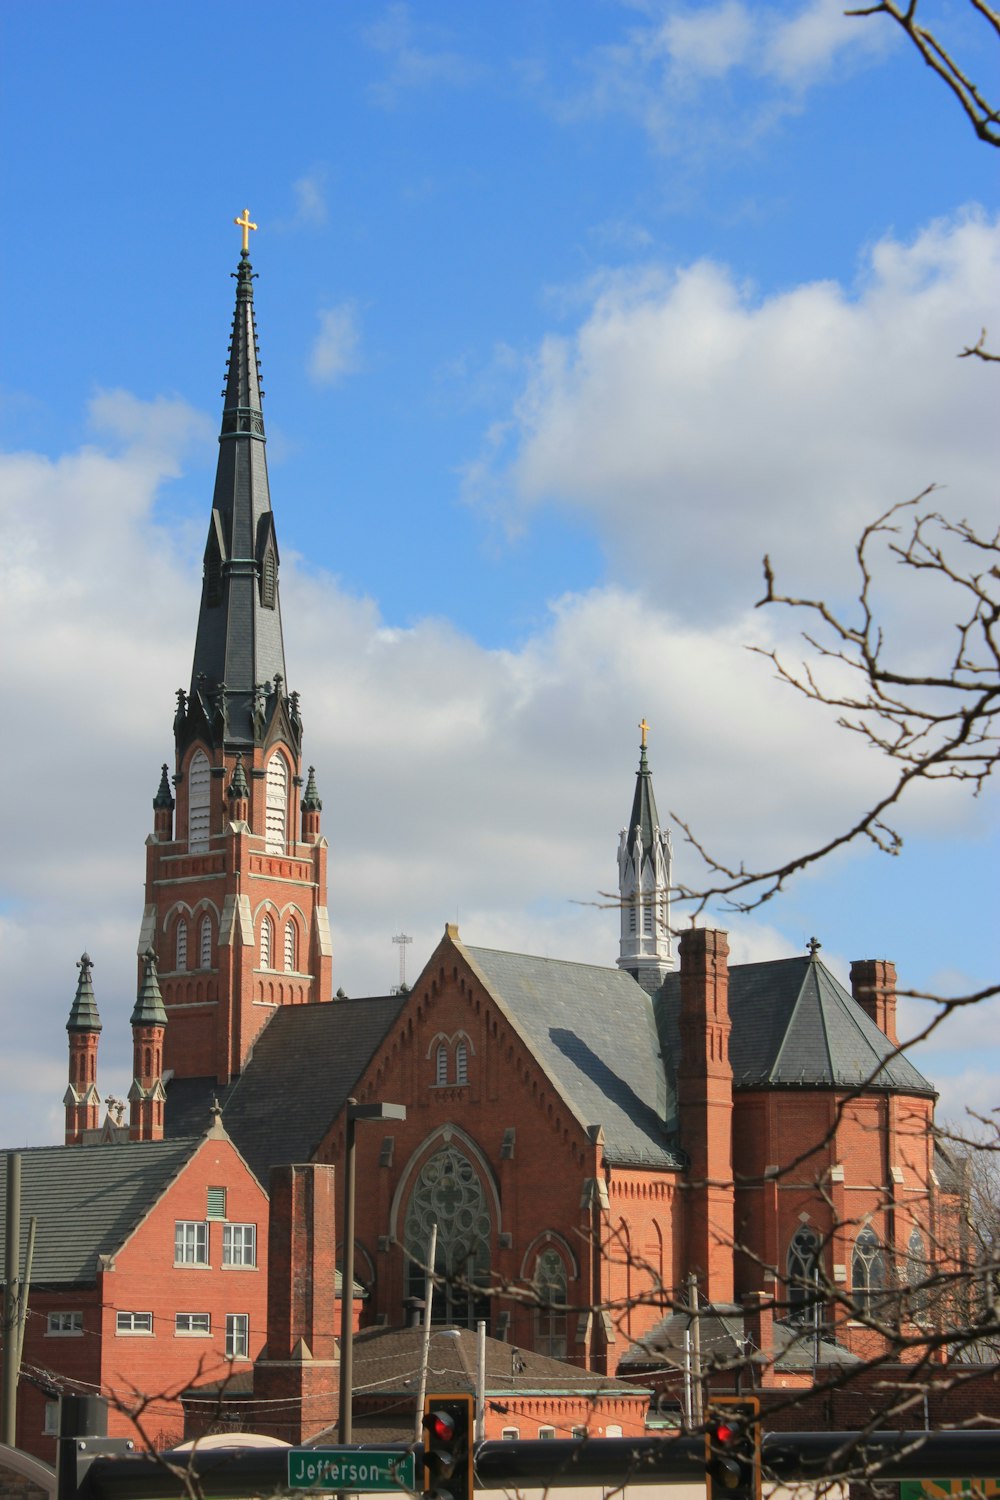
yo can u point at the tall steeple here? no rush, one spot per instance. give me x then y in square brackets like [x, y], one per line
[644, 878]
[236, 871]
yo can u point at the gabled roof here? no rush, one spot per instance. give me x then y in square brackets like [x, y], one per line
[794, 1026]
[592, 1031]
[723, 1345]
[297, 1079]
[88, 1200]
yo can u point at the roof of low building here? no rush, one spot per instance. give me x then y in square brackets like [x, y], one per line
[723, 1343]
[592, 1031]
[88, 1199]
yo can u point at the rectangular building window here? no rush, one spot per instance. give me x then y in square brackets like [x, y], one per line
[546, 1432]
[216, 1203]
[239, 1245]
[50, 1422]
[190, 1243]
[134, 1322]
[65, 1324]
[510, 1433]
[237, 1336]
[194, 1324]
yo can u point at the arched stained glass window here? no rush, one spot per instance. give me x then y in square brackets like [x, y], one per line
[205, 943]
[276, 809]
[181, 945]
[449, 1193]
[867, 1271]
[199, 803]
[550, 1316]
[917, 1271]
[266, 941]
[804, 1304]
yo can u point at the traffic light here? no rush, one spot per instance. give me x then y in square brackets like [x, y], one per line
[448, 1450]
[732, 1449]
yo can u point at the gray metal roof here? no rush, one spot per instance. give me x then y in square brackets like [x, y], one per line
[794, 1026]
[724, 1345]
[644, 812]
[297, 1079]
[592, 1031]
[239, 639]
[88, 1199]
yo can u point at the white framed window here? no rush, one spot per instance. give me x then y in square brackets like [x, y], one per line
[239, 1245]
[275, 804]
[237, 1335]
[510, 1433]
[50, 1421]
[578, 1432]
[190, 1242]
[64, 1324]
[134, 1322]
[546, 1432]
[266, 941]
[181, 945]
[441, 1065]
[290, 945]
[199, 803]
[461, 1063]
[205, 943]
[613, 1431]
[193, 1325]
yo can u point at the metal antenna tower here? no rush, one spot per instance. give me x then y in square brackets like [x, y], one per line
[401, 940]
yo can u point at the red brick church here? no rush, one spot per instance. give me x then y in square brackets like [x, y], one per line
[598, 1147]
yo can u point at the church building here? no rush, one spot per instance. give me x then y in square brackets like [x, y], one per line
[598, 1148]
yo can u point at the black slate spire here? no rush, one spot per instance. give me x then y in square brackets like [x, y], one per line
[239, 651]
[644, 812]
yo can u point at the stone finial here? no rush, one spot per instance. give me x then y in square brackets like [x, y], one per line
[814, 945]
[83, 1014]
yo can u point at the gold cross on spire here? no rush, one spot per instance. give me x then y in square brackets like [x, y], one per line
[246, 227]
[645, 730]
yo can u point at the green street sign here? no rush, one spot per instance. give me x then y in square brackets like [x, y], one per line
[364, 1469]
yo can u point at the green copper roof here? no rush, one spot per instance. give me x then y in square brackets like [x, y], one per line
[311, 802]
[149, 1009]
[238, 786]
[163, 796]
[239, 643]
[83, 1014]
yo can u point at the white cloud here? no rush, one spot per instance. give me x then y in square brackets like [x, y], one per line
[309, 191]
[414, 61]
[336, 350]
[687, 408]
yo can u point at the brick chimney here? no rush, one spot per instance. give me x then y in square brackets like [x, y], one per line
[873, 985]
[705, 1106]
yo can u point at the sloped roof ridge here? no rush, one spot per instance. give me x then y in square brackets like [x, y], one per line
[540, 958]
[853, 1013]
[810, 973]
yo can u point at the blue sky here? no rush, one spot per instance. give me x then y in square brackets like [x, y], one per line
[567, 314]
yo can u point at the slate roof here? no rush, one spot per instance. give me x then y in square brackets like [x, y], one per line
[592, 1030]
[87, 1200]
[794, 1026]
[722, 1338]
[297, 1079]
[644, 804]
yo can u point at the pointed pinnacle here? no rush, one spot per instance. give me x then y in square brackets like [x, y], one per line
[149, 1009]
[311, 802]
[238, 786]
[83, 1014]
[163, 797]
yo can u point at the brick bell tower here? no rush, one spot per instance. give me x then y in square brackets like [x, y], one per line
[236, 866]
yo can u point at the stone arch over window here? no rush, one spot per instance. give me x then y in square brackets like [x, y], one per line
[291, 946]
[181, 944]
[804, 1274]
[199, 802]
[449, 1191]
[266, 941]
[276, 804]
[867, 1271]
[205, 942]
[550, 1284]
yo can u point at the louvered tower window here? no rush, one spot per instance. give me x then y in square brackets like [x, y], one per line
[461, 1063]
[269, 580]
[181, 955]
[266, 941]
[199, 801]
[290, 946]
[205, 943]
[276, 805]
[441, 1065]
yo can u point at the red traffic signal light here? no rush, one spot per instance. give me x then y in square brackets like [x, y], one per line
[732, 1449]
[448, 1447]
